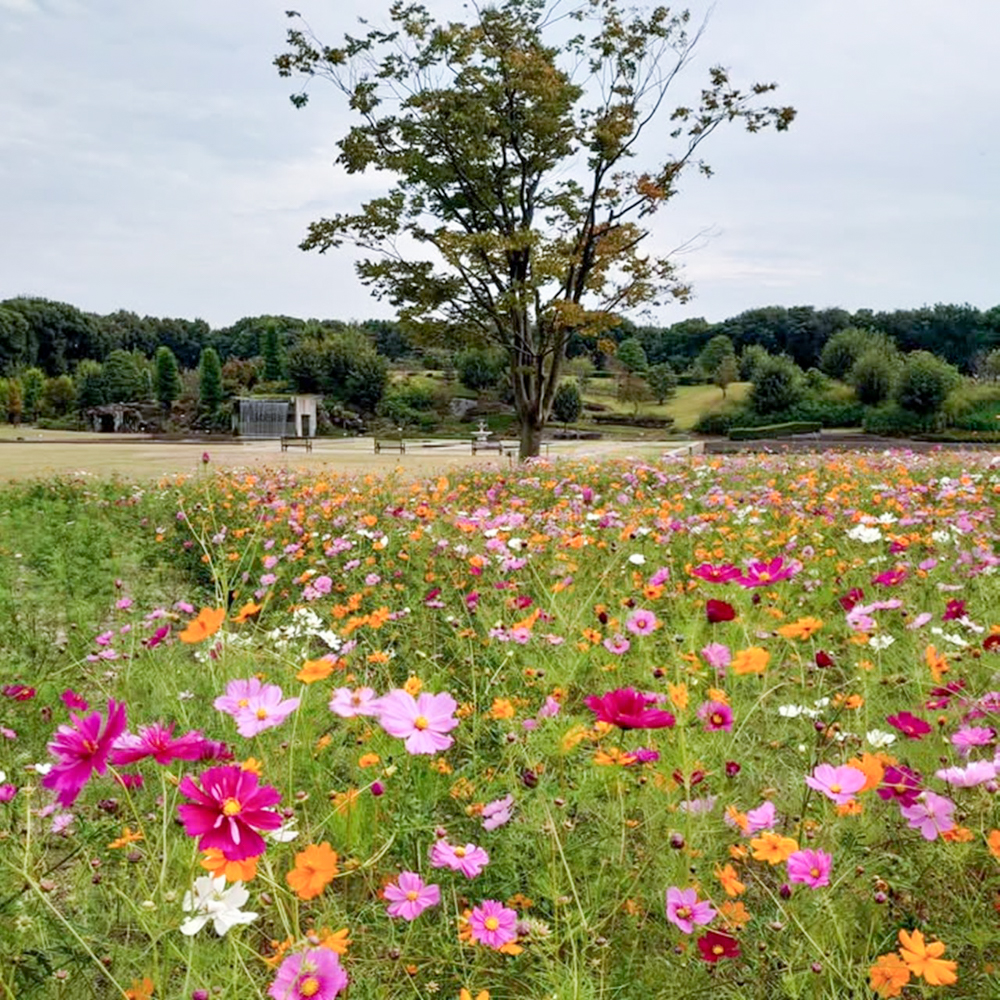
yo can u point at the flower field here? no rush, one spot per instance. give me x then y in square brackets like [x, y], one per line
[700, 728]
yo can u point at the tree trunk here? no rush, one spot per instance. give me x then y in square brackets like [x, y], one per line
[531, 438]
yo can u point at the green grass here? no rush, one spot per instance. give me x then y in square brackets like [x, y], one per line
[689, 403]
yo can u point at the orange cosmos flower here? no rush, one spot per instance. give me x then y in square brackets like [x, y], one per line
[804, 628]
[232, 871]
[464, 994]
[773, 848]
[889, 975]
[502, 708]
[248, 611]
[925, 960]
[140, 990]
[678, 695]
[937, 663]
[993, 843]
[413, 686]
[735, 914]
[315, 670]
[750, 661]
[315, 868]
[871, 767]
[128, 837]
[729, 881]
[338, 941]
[208, 622]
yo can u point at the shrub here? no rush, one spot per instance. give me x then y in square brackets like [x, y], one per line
[778, 385]
[567, 404]
[892, 420]
[480, 369]
[972, 406]
[924, 382]
[872, 377]
[750, 358]
[662, 381]
[774, 430]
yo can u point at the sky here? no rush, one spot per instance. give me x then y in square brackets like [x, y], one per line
[150, 160]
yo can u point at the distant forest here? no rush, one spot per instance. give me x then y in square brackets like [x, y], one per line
[55, 336]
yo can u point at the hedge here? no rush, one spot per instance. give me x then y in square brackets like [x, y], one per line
[774, 430]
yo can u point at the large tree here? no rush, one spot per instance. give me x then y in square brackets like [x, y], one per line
[515, 218]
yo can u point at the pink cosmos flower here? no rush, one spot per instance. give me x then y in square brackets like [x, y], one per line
[716, 715]
[642, 622]
[836, 783]
[157, 741]
[238, 695]
[7, 792]
[764, 574]
[422, 722]
[685, 909]
[812, 868]
[81, 749]
[73, 701]
[976, 773]
[348, 704]
[493, 924]
[498, 812]
[617, 644]
[716, 574]
[930, 814]
[717, 656]
[627, 708]
[409, 897]
[911, 726]
[972, 736]
[264, 710]
[227, 810]
[763, 817]
[315, 974]
[900, 783]
[470, 860]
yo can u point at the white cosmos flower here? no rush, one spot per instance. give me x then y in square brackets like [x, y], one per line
[865, 533]
[285, 833]
[211, 900]
[879, 738]
[881, 641]
[637, 559]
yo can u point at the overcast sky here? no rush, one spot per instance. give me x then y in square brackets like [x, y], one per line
[150, 159]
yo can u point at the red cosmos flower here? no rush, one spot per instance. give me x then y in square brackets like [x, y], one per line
[992, 641]
[19, 692]
[627, 708]
[911, 726]
[823, 659]
[714, 946]
[81, 749]
[718, 611]
[228, 809]
[851, 598]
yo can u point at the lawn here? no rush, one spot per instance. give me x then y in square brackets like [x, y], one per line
[583, 730]
[686, 406]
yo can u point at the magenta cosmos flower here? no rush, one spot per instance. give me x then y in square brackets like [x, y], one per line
[81, 749]
[642, 622]
[684, 909]
[227, 811]
[836, 783]
[716, 574]
[422, 722]
[158, 741]
[493, 924]
[812, 868]
[627, 708]
[311, 975]
[910, 725]
[409, 897]
[716, 715]
[470, 860]
[764, 574]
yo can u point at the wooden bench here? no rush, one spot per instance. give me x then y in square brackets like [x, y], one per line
[398, 445]
[291, 442]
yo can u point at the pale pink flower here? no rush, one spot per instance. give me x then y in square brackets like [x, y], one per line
[470, 860]
[421, 722]
[348, 704]
[409, 897]
[684, 909]
[836, 783]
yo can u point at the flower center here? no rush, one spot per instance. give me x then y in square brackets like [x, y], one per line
[420, 722]
[491, 923]
[412, 895]
[765, 576]
[716, 719]
[261, 713]
[814, 872]
[309, 987]
[684, 912]
[231, 807]
[243, 703]
[717, 949]
[835, 789]
[89, 746]
[459, 852]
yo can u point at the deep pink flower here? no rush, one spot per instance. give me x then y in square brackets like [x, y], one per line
[315, 974]
[684, 909]
[716, 715]
[836, 783]
[627, 708]
[73, 701]
[954, 611]
[7, 792]
[642, 622]
[82, 750]
[715, 946]
[823, 659]
[227, 811]
[470, 860]
[718, 611]
[493, 924]
[911, 726]
[157, 741]
[19, 692]
[852, 597]
[716, 574]
[890, 578]
[900, 783]
[764, 574]
[422, 722]
[409, 897]
[812, 868]
[930, 814]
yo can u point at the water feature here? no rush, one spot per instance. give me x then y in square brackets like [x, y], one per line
[263, 418]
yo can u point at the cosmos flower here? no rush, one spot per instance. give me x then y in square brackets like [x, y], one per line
[765, 574]
[715, 946]
[716, 715]
[315, 974]
[264, 710]
[158, 741]
[719, 611]
[642, 622]
[315, 868]
[685, 910]
[81, 749]
[211, 900]
[627, 708]
[493, 924]
[836, 783]
[931, 814]
[809, 867]
[498, 812]
[348, 704]
[422, 722]
[470, 860]
[409, 897]
[924, 960]
[911, 726]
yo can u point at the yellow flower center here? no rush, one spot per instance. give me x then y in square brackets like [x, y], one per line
[412, 895]
[764, 576]
[459, 852]
[814, 872]
[684, 912]
[243, 702]
[835, 789]
[261, 713]
[491, 923]
[716, 719]
[420, 722]
[231, 807]
[717, 949]
[309, 987]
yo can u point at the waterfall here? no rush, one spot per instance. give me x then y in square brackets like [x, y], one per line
[263, 418]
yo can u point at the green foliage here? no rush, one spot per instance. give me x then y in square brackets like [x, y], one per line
[924, 382]
[307, 368]
[778, 384]
[892, 420]
[168, 377]
[726, 372]
[973, 406]
[366, 380]
[15, 336]
[990, 365]
[713, 353]
[90, 388]
[750, 358]
[872, 376]
[33, 383]
[210, 392]
[480, 369]
[274, 367]
[126, 377]
[483, 143]
[631, 357]
[58, 334]
[58, 397]
[662, 381]
[774, 430]
[568, 404]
